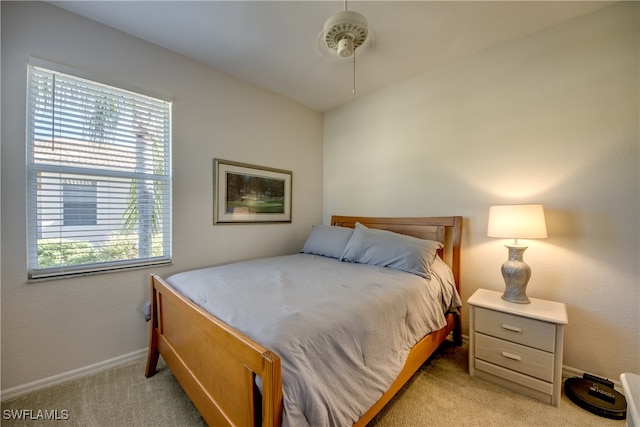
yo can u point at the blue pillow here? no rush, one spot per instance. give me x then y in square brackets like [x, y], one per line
[327, 240]
[387, 249]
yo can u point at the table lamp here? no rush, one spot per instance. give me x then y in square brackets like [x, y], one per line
[516, 222]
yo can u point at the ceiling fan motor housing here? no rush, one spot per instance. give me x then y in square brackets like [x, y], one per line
[344, 32]
[345, 47]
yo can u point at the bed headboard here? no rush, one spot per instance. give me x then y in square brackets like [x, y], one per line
[445, 229]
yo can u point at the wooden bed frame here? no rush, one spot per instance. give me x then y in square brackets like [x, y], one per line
[217, 365]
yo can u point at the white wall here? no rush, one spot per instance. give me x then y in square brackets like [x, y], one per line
[53, 327]
[552, 119]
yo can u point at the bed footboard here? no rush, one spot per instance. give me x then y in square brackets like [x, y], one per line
[215, 364]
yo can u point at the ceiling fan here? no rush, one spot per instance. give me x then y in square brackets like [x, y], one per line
[343, 33]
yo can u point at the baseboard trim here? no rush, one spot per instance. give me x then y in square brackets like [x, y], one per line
[96, 368]
[75, 374]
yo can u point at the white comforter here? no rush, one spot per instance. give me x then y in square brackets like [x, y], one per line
[342, 330]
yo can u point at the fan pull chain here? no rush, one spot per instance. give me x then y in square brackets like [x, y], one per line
[354, 73]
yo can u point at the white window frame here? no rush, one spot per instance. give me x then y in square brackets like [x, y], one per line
[108, 163]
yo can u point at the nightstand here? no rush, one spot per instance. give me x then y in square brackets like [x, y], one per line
[518, 346]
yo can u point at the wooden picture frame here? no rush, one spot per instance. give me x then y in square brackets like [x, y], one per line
[245, 193]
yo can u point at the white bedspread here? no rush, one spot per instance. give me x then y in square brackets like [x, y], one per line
[342, 330]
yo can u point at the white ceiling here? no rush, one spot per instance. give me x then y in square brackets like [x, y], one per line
[274, 44]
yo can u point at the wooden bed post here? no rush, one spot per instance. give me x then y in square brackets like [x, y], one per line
[153, 353]
[272, 400]
[455, 268]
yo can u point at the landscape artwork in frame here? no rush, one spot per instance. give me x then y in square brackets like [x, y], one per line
[245, 193]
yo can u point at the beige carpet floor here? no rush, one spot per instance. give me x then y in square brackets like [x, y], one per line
[440, 394]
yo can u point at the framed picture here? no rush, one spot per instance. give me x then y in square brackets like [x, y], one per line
[246, 193]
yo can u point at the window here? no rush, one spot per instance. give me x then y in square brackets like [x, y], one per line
[99, 181]
[79, 202]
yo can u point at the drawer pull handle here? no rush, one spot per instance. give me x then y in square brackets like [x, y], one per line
[512, 328]
[511, 356]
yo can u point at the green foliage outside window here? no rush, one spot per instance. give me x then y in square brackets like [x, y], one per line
[57, 252]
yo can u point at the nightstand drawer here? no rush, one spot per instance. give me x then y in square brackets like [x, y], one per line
[530, 383]
[530, 332]
[520, 358]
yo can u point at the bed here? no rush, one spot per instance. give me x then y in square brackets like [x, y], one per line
[234, 379]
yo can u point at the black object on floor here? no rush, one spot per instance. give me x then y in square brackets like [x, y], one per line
[596, 395]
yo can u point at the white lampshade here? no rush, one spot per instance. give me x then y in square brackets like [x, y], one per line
[517, 222]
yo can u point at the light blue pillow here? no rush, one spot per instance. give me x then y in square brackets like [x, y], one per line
[327, 240]
[387, 249]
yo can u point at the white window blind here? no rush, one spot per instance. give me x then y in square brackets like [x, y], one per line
[99, 177]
